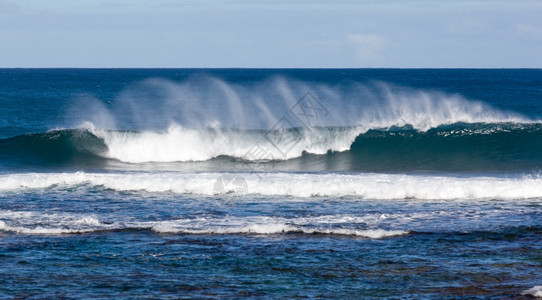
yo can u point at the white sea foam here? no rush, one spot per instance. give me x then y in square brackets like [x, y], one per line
[63, 223]
[184, 144]
[27, 222]
[360, 186]
[535, 291]
[41, 230]
[278, 228]
[276, 225]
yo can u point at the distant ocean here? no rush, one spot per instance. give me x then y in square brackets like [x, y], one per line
[265, 183]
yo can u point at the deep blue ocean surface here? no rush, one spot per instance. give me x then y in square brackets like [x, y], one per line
[265, 183]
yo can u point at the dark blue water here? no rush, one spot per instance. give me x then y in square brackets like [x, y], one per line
[214, 183]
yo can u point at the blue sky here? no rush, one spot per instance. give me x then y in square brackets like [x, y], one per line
[243, 33]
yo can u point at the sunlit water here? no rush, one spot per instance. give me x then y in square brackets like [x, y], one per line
[182, 183]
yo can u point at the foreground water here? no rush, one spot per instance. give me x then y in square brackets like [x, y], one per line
[270, 183]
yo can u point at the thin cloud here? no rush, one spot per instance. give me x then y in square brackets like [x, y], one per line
[369, 48]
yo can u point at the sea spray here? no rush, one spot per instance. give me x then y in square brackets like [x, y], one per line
[203, 102]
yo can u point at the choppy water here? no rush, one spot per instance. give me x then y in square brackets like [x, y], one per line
[270, 183]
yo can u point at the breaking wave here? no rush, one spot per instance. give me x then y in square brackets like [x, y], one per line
[361, 186]
[454, 147]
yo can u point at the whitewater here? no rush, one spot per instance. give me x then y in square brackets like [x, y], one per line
[360, 186]
[271, 183]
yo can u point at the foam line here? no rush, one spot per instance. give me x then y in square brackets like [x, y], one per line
[35, 223]
[361, 186]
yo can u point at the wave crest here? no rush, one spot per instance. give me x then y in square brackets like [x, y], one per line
[455, 147]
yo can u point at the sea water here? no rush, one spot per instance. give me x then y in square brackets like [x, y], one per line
[213, 183]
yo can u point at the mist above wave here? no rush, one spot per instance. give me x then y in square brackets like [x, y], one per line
[201, 118]
[206, 102]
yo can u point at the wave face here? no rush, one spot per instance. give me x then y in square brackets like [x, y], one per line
[455, 147]
[64, 147]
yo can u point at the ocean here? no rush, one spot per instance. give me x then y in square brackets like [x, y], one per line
[270, 183]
